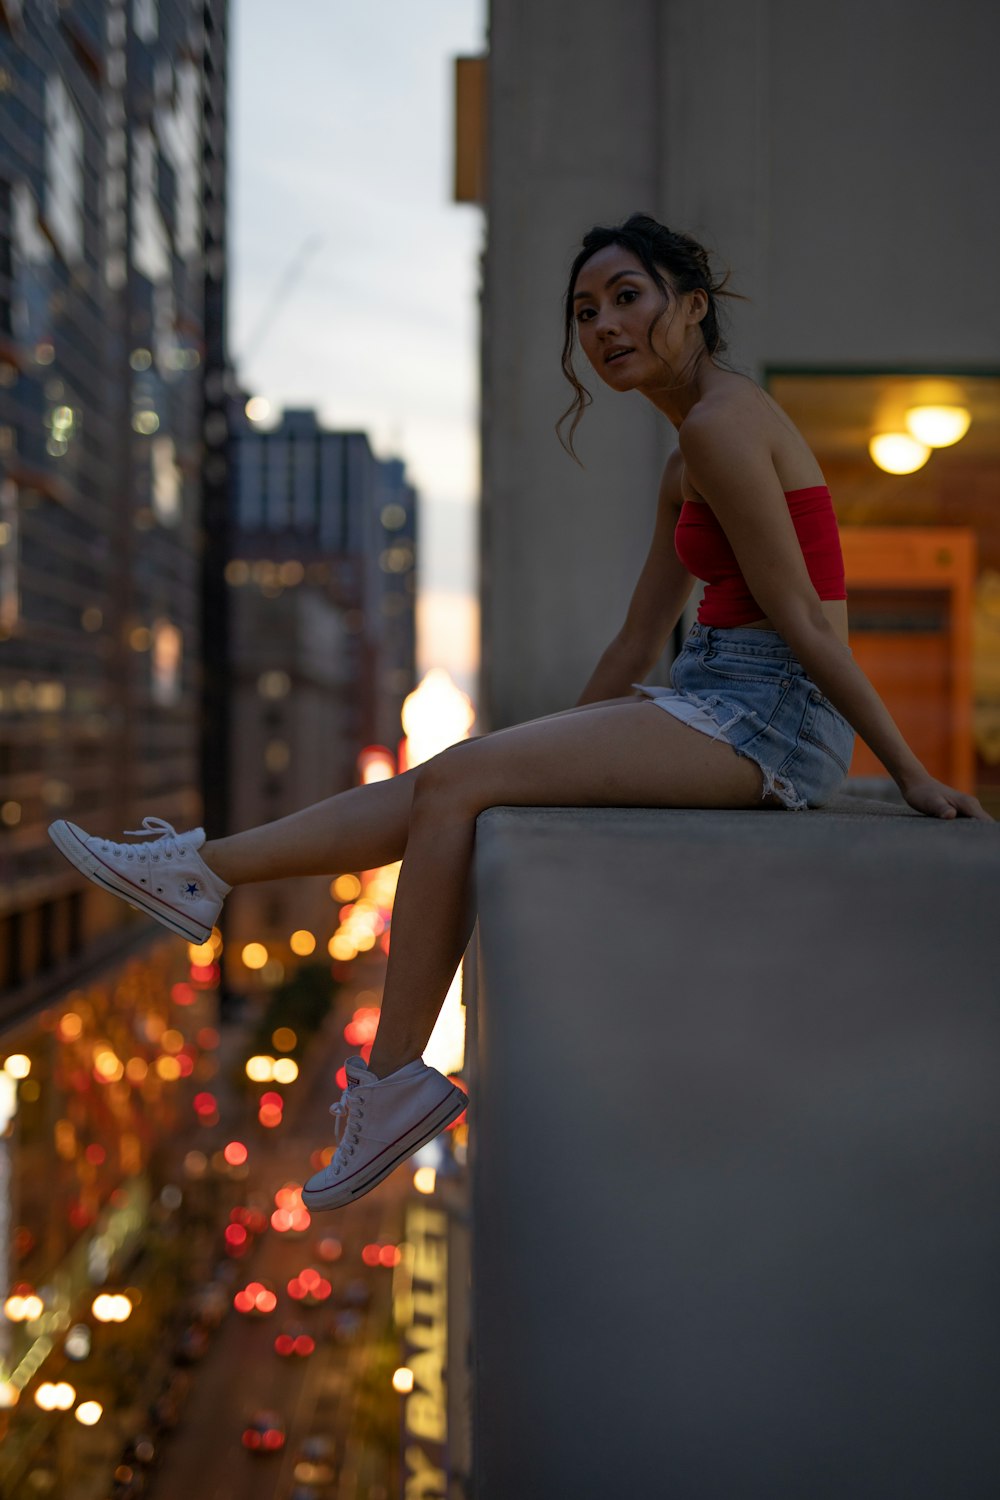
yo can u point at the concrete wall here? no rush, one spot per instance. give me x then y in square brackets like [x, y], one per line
[837, 158]
[573, 140]
[735, 1138]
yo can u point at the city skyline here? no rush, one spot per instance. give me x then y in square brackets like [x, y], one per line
[343, 223]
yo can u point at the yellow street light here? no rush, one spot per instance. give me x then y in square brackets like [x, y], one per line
[425, 1179]
[254, 955]
[108, 1066]
[260, 1069]
[258, 409]
[341, 947]
[111, 1307]
[57, 1397]
[23, 1307]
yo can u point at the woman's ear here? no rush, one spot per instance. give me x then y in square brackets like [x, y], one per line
[697, 305]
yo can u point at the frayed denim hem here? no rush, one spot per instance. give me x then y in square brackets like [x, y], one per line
[777, 786]
[713, 709]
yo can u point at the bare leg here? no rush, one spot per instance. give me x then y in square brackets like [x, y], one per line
[359, 829]
[619, 756]
[429, 938]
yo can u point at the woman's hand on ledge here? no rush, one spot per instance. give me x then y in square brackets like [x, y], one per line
[940, 801]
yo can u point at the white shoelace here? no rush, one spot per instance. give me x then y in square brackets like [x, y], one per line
[340, 1111]
[160, 832]
[159, 826]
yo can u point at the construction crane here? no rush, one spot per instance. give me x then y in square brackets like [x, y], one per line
[287, 281]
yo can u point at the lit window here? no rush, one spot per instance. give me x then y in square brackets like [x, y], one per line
[63, 170]
[396, 559]
[50, 696]
[168, 644]
[150, 245]
[10, 606]
[276, 755]
[179, 134]
[393, 517]
[273, 684]
[912, 461]
[166, 480]
[146, 20]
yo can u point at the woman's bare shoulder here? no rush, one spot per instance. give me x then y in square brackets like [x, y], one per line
[739, 399]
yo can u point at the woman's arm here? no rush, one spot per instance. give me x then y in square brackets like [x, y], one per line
[661, 592]
[730, 463]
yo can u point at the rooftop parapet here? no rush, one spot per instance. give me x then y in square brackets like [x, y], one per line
[735, 1144]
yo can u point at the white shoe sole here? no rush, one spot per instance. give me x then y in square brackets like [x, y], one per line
[341, 1193]
[69, 844]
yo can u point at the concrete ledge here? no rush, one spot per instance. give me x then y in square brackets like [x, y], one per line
[736, 1121]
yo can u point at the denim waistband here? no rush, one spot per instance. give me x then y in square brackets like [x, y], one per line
[738, 639]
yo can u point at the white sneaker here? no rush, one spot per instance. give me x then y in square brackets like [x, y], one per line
[166, 877]
[390, 1118]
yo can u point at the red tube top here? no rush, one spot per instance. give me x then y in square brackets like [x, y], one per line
[703, 548]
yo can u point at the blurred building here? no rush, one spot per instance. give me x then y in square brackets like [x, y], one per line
[322, 584]
[112, 391]
[868, 299]
[111, 160]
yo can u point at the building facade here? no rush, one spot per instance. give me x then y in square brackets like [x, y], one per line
[109, 266]
[112, 387]
[322, 582]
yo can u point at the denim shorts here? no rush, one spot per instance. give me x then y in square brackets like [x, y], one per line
[746, 687]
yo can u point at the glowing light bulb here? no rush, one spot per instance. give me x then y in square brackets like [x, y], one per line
[254, 955]
[897, 453]
[425, 1179]
[938, 426]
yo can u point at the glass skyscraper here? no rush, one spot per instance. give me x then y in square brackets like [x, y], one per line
[112, 442]
[114, 485]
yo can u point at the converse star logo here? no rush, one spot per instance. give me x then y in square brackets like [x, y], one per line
[191, 889]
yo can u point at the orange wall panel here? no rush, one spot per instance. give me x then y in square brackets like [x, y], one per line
[900, 579]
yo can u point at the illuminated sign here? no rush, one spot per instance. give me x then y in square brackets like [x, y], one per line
[421, 1309]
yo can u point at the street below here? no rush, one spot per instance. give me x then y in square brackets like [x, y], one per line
[342, 1390]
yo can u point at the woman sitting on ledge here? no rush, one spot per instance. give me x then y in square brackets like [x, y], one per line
[761, 712]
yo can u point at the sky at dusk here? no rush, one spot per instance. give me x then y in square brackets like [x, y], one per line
[354, 276]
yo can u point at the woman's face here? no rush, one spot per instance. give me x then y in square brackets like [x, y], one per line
[614, 302]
